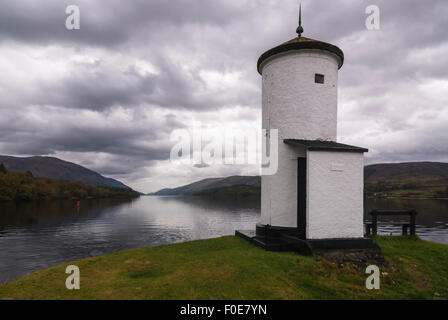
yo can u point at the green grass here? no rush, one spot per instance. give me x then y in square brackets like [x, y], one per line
[231, 268]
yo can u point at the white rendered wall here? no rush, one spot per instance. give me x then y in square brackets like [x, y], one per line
[291, 100]
[335, 185]
[279, 191]
[300, 109]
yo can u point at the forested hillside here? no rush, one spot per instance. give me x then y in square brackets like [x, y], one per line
[410, 179]
[19, 186]
[54, 168]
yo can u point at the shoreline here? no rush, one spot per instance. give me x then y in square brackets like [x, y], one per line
[66, 199]
[406, 198]
[257, 195]
[215, 268]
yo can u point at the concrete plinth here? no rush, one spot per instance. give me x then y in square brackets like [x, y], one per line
[356, 250]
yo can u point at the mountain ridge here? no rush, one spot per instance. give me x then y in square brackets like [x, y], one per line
[55, 168]
[403, 170]
[211, 184]
[379, 178]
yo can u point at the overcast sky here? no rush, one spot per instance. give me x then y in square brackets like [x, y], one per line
[109, 95]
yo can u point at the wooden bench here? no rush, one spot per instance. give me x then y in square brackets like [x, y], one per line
[372, 227]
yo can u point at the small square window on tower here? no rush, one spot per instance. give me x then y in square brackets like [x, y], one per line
[319, 78]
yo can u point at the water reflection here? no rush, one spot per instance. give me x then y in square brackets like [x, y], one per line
[432, 218]
[29, 213]
[34, 236]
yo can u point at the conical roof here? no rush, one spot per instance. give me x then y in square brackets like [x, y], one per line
[299, 43]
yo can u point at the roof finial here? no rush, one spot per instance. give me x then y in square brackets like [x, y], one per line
[299, 29]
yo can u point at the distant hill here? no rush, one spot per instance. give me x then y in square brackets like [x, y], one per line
[212, 185]
[22, 186]
[54, 168]
[405, 170]
[410, 179]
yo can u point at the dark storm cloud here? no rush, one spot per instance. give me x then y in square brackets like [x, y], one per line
[104, 22]
[85, 94]
[131, 141]
[98, 87]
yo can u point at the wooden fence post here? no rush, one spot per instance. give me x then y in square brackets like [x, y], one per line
[374, 222]
[413, 214]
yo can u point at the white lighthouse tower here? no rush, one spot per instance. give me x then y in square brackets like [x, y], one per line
[315, 199]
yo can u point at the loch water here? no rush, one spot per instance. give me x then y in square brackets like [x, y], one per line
[38, 235]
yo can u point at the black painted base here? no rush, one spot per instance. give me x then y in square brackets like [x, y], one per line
[271, 238]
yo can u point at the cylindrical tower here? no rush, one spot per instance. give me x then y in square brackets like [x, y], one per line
[299, 99]
[312, 201]
[299, 89]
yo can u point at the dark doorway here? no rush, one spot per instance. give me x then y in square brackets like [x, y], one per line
[301, 197]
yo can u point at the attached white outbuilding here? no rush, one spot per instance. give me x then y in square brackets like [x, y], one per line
[316, 195]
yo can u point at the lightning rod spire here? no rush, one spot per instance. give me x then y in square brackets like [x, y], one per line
[299, 29]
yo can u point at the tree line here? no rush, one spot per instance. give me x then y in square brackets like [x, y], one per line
[23, 186]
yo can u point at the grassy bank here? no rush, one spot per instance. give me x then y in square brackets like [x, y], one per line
[231, 268]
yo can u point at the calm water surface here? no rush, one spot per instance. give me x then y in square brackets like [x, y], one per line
[34, 236]
[432, 218]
